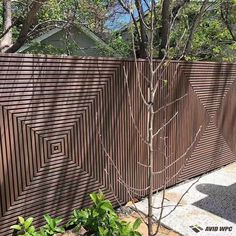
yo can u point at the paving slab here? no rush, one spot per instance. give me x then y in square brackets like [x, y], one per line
[207, 204]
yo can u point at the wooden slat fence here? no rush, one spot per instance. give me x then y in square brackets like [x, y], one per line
[60, 115]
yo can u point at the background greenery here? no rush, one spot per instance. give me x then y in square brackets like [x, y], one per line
[212, 40]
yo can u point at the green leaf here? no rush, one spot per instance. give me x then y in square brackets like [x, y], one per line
[47, 218]
[21, 220]
[58, 221]
[78, 227]
[84, 214]
[137, 223]
[136, 233]
[132, 233]
[75, 213]
[107, 206]
[59, 229]
[102, 231]
[42, 232]
[94, 198]
[100, 196]
[28, 222]
[119, 224]
[31, 229]
[16, 227]
[49, 221]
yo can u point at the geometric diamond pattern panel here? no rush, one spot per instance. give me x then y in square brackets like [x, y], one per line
[66, 130]
[214, 84]
[51, 158]
[211, 86]
[211, 152]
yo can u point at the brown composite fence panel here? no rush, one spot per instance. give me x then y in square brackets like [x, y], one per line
[67, 130]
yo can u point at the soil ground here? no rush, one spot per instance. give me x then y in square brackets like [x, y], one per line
[143, 227]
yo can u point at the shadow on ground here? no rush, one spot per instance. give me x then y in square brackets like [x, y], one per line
[221, 200]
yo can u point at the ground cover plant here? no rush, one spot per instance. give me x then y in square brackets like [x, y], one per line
[99, 219]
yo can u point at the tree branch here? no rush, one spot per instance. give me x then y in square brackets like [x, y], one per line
[30, 18]
[225, 17]
[6, 39]
[165, 26]
[194, 26]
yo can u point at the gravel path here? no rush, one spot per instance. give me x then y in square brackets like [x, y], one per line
[208, 207]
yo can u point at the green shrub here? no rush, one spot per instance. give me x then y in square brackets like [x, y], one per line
[25, 227]
[100, 219]
[52, 227]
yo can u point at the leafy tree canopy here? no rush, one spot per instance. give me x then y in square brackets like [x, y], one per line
[214, 38]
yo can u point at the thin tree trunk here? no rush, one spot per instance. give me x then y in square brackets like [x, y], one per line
[28, 22]
[143, 33]
[6, 40]
[165, 26]
[225, 17]
[151, 95]
[150, 154]
[178, 6]
[194, 27]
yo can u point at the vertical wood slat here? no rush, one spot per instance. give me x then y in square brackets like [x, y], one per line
[51, 155]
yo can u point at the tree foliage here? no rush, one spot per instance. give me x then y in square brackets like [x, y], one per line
[212, 39]
[53, 13]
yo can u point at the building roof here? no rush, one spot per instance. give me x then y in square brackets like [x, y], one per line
[57, 29]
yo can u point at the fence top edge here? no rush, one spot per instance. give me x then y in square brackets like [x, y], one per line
[115, 59]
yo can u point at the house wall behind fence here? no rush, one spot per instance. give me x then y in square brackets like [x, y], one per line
[66, 130]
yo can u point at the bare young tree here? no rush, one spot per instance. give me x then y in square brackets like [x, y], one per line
[155, 82]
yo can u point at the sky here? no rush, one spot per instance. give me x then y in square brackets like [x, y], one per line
[122, 19]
